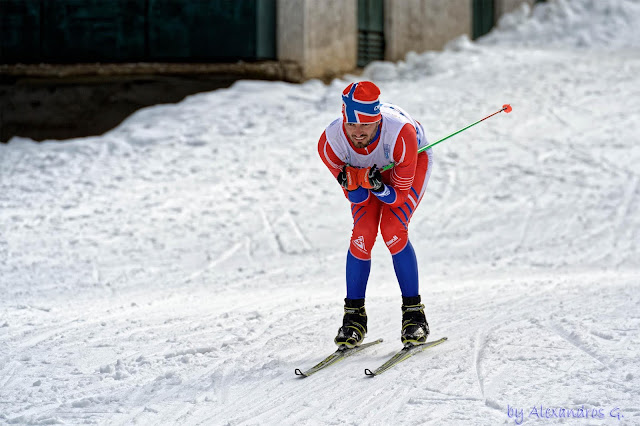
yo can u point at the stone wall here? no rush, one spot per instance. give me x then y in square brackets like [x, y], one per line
[421, 25]
[322, 36]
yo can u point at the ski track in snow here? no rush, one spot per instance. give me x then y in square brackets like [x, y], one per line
[177, 269]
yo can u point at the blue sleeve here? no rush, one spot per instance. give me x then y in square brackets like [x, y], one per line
[387, 195]
[359, 195]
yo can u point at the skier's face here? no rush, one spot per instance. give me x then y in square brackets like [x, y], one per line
[361, 134]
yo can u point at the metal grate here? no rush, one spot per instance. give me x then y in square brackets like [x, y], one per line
[370, 31]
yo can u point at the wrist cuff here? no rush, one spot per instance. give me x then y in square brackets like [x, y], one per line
[380, 191]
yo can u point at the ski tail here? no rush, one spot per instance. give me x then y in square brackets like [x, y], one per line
[334, 358]
[403, 354]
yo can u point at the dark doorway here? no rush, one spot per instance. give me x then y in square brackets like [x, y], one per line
[483, 17]
[370, 31]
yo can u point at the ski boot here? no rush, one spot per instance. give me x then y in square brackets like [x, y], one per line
[354, 324]
[415, 329]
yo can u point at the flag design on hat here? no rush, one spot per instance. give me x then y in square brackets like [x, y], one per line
[360, 103]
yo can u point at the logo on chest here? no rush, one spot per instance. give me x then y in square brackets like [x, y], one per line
[387, 151]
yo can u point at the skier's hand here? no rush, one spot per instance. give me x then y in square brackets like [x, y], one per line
[370, 178]
[348, 178]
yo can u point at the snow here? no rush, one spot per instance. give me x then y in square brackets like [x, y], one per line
[177, 269]
[571, 23]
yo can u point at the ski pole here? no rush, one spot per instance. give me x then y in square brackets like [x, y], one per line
[506, 108]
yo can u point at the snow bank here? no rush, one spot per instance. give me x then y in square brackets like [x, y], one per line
[571, 24]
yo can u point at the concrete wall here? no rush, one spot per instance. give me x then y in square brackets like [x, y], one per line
[320, 35]
[421, 25]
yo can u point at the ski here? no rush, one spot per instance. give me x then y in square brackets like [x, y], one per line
[402, 355]
[334, 358]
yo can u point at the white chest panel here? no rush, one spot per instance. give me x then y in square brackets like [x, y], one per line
[393, 119]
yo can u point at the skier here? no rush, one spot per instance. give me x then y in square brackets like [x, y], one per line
[369, 136]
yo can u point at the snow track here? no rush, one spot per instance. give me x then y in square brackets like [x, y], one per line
[177, 269]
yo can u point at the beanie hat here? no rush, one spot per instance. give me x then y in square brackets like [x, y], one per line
[360, 103]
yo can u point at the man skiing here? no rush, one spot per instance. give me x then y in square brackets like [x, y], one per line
[369, 136]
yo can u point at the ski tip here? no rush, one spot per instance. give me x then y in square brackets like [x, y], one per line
[369, 372]
[300, 373]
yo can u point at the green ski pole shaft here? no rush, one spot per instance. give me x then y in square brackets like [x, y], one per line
[506, 108]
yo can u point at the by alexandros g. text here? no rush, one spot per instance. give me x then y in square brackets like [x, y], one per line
[582, 412]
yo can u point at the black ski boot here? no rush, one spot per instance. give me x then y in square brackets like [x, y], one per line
[354, 324]
[415, 329]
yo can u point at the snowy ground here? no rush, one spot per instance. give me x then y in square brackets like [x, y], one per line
[177, 269]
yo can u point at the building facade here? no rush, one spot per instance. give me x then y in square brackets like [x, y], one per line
[331, 37]
[305, 38]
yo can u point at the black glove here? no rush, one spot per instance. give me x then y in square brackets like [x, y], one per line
[371, 178]
[348, 178]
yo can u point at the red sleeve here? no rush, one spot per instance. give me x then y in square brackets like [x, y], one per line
[405, 157]
[329, 158]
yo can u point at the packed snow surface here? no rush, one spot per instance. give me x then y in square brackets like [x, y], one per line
[178, 269]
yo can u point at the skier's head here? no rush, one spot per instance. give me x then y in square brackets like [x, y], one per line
[361, 112]
[360, 103]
